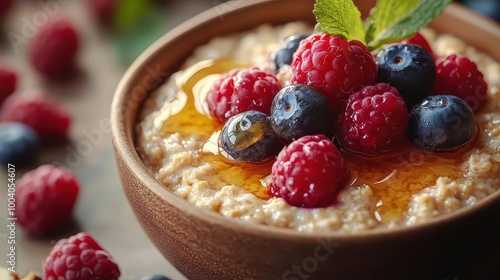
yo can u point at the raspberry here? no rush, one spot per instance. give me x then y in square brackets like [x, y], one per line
[310, 172]
[46, 118]
[420, 40]
[373, 121]
[79, 257]
[242, 90]
[333, 66]
[8, 80]
[45, 199]
[457, 75]
[102, 9]
[5, 6]
[53, 49]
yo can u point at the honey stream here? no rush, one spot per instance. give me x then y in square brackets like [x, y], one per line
[393, 179]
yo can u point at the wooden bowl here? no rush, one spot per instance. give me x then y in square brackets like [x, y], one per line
[205, 245]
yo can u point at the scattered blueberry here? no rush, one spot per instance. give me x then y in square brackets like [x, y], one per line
[489, 8]
[284, 55]
[18, 143]
[248, 137]
[300, 110]
[409, 68]
[442, 123]
[155, 277]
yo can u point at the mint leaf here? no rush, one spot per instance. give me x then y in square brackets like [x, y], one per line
[395, 20]
[339, 18]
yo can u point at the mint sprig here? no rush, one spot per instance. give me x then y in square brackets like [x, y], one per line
[389, 21]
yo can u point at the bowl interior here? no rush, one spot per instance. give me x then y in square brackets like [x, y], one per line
[166, 55]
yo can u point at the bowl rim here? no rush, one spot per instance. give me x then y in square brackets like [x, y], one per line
[125, 147]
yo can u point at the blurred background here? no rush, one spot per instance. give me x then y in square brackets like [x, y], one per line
[111, 34]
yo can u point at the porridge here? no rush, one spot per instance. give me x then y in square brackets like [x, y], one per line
[176, 140]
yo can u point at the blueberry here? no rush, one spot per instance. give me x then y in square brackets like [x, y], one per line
[284, 55]
[155, 277]
[489, 8]
[409, 68]
[300, 110]
[442, 123]
[248, 137]
[18, 143]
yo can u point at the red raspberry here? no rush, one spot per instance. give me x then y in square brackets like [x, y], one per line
[46, 118]
[8, 81]
[45, 199]
[457, 75]
[420, 41]
[310, 172]
[5, 6]
[242, 90]
[79, 257]
[333, 66]
[53, 49]
[373, 121]
[102, 9]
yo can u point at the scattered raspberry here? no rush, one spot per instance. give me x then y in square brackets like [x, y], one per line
[373, 121]
[53, 49]
[45, 199]
[242, 90]
[8, 81]
[46, 118]
[457, 75]
[420, 40]
[79, 257]
[102, 9]
[333, 66]
[5, 6]
[309, 172]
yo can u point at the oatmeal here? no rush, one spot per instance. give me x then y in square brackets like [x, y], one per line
[405, 190]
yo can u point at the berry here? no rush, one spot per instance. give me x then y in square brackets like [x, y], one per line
[155, 277]
[457, 75]
[489, 8]
[420, 41]
[300, 110]
[46, 197]
[52, 50]
[46, 118]
[334, 66]
[310, 172]
[18, 144]
[242, 90]
[79, 257]
[8, 81]
[409, 68]
[284, 55]
[102, 9]
[248, 137]
[373, 121]
[442, 123]
[5, 6]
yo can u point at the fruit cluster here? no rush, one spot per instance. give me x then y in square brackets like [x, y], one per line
[343, 99]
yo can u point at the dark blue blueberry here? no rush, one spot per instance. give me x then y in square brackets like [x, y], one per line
[155, 277]
[442, 123]
[300, 110]
[409, 68]
[18, 144]
[489, 8]
[248, 137]
[284, 55]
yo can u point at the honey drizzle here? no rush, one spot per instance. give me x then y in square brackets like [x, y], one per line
[393, 180]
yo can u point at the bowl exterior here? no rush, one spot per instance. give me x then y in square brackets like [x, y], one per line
[204, 245]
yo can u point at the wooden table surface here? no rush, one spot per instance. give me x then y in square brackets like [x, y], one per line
[102, 208]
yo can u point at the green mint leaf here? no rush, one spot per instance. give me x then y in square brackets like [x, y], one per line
[395, 20]
[339, 18]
